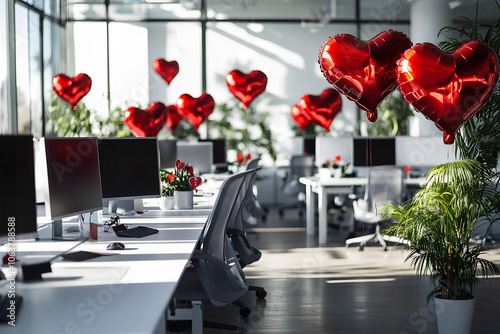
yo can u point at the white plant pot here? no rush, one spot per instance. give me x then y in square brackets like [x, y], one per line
[325, 174]
[454, 316]
[337, 172]
[184, 200]
[328, 173]
[166, 203]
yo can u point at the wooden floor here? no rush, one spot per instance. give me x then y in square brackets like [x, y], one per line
[335, 289]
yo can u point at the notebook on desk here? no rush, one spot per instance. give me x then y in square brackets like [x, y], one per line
[82, 255]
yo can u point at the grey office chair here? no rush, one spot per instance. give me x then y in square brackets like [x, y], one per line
[300, 165]
[215, 274]
[245, 252]
[251, 210]
[385, 185]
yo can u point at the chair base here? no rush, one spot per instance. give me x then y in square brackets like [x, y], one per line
[259, 291]
[382, 239]
[299, 206]
[194, 313]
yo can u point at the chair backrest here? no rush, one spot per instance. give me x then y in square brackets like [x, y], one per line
[220, 286]
[385, 185]
[253, 163]
[236, 220]
[215, 227]
[301, 165]
[236, 226]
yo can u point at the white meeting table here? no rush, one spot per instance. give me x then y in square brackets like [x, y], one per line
[325, 187]
[125, 292]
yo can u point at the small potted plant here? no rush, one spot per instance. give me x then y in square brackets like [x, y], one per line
[333, 168]
[166, 201]
[184, 183]
[438, 224]
[240, 162]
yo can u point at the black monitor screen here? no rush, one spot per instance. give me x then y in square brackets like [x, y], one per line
[374, 152]
[129, 167]
[17, 187]
[73, 182]
[310, 146]
[219, 150]
[168, 153]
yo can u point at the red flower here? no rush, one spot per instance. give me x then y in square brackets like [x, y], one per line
[248, 157]
[239, 157]
[171, 177]
[337, 159]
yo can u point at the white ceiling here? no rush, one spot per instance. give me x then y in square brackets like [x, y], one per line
[307, 10]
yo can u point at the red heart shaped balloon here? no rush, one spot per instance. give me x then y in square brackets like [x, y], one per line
[448, 88]
[299, 118]
[173, 117]
[146, 123]
[166, 69]
[321, 109]
[364, 71]
[246, 87]
[195, 110]
[72, 89]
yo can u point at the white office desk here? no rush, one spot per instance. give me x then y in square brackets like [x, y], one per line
[327, 187]
[127, 292]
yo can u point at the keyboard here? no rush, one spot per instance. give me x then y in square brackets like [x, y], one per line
[136, 232]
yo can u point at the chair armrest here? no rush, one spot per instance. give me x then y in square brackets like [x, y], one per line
[197, 255]
[238, 233]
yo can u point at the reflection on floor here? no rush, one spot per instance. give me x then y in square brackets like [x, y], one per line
[335, 289]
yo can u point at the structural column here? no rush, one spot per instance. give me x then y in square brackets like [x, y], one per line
[427, 17]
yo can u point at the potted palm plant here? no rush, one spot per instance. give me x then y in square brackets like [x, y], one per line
[439, 223]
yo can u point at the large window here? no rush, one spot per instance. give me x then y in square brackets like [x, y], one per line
[51, 62]
[89, 55]
[4, 47]
[28, 61]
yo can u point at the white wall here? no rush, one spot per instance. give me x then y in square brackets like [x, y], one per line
[288, 55]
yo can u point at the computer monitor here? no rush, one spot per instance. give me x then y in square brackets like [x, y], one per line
[327, 148]
[129, 171]
[370, 152]
[423, 151]
[73, 183]
[309, 145]
[197, 154]
[219, 150]
[18, 212]
[168, 153]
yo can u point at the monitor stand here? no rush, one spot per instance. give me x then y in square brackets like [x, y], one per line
[57, 232]
[125, 207]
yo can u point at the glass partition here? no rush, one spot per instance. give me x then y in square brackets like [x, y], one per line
[5, 115]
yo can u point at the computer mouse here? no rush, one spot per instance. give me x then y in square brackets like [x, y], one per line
[115, 246]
